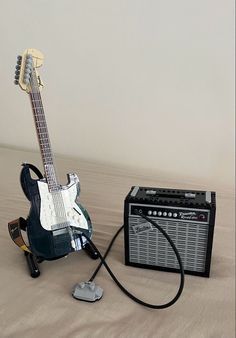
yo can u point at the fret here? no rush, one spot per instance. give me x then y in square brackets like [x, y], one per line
[45, 145]
[39, 115]
[37, 108]
[48, 161]
[40, 124]
[42, 129]
[43, 138]
[46, 150]
[47, 156]
[44, 142]
[42, 133]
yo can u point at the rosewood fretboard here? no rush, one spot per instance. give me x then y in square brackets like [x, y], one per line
[42, 133]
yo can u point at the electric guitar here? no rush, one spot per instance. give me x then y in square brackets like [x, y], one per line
[56, 219]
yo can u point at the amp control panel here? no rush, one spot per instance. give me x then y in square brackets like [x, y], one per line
[165, 212]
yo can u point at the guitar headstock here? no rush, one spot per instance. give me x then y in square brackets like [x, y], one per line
[26, 75]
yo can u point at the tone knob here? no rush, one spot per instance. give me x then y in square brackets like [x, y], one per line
[202, 217]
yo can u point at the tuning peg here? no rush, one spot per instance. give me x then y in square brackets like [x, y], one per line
[28, 68]
[19, 59]
[28, 62]
[17, 67]
[26, 79]
[17, 72]
[17, 77]
[29, 59]
[16, 82]
[28, 65]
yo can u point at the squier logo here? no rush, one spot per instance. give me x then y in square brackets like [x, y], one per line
[141, 227]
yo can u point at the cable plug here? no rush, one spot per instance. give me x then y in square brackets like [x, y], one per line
[87, 291]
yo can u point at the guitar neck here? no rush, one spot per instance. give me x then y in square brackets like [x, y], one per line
[43, 139]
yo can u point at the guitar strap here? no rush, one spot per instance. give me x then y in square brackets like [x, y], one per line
[14, 228]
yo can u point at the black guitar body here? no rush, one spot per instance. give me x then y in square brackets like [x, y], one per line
[43, 243]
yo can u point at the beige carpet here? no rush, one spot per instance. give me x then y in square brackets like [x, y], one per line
[44, 307]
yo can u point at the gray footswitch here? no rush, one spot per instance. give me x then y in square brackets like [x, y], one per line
[87, 291]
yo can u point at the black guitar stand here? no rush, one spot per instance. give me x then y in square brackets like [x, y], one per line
[15, 227]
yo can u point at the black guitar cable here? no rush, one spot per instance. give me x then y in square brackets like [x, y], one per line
[130, 295]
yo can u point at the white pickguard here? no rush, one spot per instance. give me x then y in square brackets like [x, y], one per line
[58, 209]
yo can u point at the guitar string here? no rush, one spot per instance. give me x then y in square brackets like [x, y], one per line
[40, 121]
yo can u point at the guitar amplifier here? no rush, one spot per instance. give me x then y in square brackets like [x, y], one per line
[187, 216]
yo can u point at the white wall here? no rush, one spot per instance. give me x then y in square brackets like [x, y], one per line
[142, 83]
